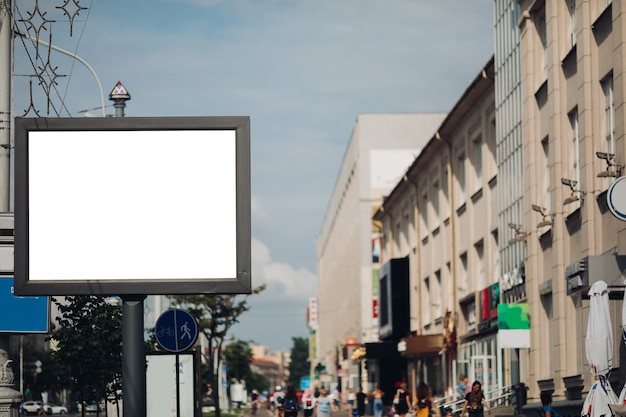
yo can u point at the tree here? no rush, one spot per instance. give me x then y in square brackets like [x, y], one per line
[238, 356]
[299, 365]
[88, 358]
[258, 382]
[215, 314]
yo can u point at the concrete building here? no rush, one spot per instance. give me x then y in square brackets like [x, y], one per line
[442, 219]
[382, 146]
[509, 157]
[273, 365]
[573, 87]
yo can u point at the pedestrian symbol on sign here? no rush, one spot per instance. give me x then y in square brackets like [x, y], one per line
[176, 330]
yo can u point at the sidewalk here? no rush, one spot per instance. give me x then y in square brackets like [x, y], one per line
[263, 412]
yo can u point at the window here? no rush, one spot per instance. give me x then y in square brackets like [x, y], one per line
[478, 161]
[609, 114]
[435, 202]
[436, 296]
[495, 244]
[574, 165]
[423, 208]
[480, 265]
[542, 32]
[545, 145]
[574, 159]
[460, 177]
[571, 8]
[463, 284]
[426, 305]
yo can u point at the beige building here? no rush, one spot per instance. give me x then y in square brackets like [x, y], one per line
[573, 105]
[442, 217]
[382, 146]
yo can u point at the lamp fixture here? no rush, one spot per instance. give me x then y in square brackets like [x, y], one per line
[520, 235]
[576, 193]
[547, 217]
[613, 169]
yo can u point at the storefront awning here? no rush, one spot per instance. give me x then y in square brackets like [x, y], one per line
[420, 345]
[381, 350]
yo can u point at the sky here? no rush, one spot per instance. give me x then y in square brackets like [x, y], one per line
[302, 70]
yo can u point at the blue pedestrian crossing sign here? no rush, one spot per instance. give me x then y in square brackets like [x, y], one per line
[176, 330]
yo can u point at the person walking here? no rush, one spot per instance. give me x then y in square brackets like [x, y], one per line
[461, 388]
[324, 407]
[308, 403]
[424, 402]
[475, 402]
[546, 401]
[378, 395]
[402, 401]
[360, 402]
[291, 404]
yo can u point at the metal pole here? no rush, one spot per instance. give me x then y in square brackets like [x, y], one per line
[133, 357]
[10, 399]
[5, 102]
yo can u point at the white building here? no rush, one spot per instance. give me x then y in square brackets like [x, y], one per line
[382, 146]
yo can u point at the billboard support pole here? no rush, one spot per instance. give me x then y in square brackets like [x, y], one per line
[133, 356]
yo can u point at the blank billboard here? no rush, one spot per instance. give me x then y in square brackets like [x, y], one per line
[118, 206]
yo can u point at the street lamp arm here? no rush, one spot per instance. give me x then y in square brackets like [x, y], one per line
[76, 57]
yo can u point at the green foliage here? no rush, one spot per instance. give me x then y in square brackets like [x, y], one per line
[299, 365]
[215, 314]
[258, 382]
[88, 354]
[238, 356]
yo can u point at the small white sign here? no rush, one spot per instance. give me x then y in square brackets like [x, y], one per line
[616, 198]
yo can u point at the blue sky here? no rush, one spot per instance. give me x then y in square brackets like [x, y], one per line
[303, 70]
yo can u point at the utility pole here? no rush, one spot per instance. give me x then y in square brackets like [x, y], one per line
[10, 399]
[5, 102]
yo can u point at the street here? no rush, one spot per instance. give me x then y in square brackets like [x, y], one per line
[264, 412]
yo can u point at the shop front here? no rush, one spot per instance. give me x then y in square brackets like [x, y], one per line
[424, 362]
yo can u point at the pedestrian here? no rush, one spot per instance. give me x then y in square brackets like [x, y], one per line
[424, 401]
[291, 405]
[324, 407]
[378, 395]
[461, 388]
[475, 402]
[402, 401]
[308, 403]
[546, 401]
[351, 399]
[278, 398]
[337, 398]
[360, 402]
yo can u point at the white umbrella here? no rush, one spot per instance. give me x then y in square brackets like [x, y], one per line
[622, 395]
[599, 348]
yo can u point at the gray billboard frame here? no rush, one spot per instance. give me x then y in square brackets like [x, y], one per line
[238, 284]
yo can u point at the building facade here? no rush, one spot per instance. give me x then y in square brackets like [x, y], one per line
[442, 217]
[572, 71]
[378, 153]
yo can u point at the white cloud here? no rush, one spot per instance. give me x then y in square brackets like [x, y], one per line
[282, 279]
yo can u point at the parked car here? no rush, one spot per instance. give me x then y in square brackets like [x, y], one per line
[54, 408]
[92, 407]
[32, 407]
